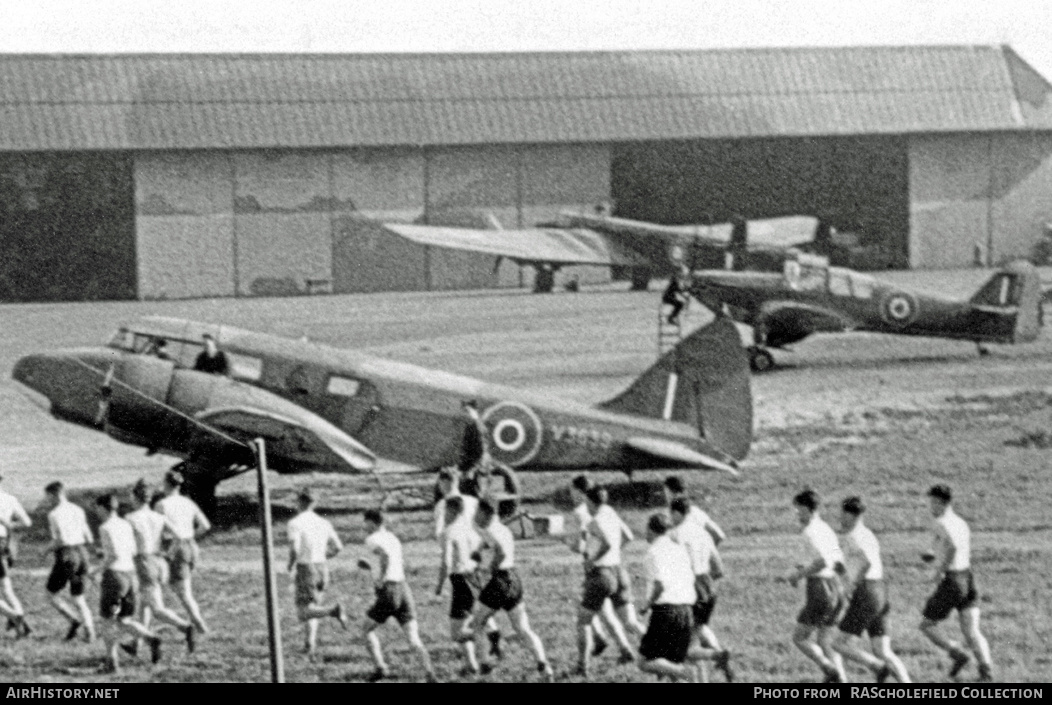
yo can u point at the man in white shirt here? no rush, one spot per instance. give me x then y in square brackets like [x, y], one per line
[869, 607]
[605, 579]
[312, 542]
[579, 543]
[823, 561]
[707, 567]
[452, 484]
[666, 646]
[393, 596]
[460, 554]
[504, 589]
[70, 535]
[150, 567]
[117, 591]
[12, 517]
[675, 489]
[951, 558]
[185, 522]
[449, 486]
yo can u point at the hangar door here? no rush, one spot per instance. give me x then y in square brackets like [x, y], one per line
[858, 185]
[67, 227]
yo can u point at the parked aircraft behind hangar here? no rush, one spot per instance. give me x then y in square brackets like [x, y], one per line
[325, 409]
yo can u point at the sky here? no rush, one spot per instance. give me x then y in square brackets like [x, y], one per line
[119, 26]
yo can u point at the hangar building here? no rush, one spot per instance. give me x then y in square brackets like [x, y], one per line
[169, 176]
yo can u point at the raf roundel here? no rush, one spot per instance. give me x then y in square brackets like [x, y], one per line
[899, 308]
[515, 432]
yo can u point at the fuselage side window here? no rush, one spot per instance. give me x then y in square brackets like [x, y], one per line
[123, 339]
[343, 386]
[245, 367]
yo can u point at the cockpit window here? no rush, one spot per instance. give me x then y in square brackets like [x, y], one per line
[125, 339]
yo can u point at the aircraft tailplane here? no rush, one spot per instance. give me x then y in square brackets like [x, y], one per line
[703, 381]
[1017, 285]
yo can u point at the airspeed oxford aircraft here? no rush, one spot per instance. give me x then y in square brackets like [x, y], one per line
[324, 409]
[809, 297]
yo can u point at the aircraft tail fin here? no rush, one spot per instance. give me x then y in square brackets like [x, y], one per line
[703, 381]
[1016, 286]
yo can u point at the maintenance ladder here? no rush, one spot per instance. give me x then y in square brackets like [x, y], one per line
[669, 334]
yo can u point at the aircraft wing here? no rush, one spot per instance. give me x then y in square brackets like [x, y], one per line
[765, 234]
[311, 441]
[670, 451]
[814, 319]
[554, 245]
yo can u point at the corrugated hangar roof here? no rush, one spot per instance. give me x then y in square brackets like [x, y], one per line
[59, 102]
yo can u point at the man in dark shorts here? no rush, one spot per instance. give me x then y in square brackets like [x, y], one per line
[70, 535]
[604, 580]
[503, 592]
[460, 556]
[822, 562]
[312, 542]
[393, 596]
[868, 609]
[707, 567]
[667, 647]
[951, 560]
[118, 598]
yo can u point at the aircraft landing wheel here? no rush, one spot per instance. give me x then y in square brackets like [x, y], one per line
[760, 360]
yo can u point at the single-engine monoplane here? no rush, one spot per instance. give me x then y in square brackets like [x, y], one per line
[325, 409]
[809, 296]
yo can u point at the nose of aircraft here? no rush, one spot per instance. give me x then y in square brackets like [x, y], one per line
[64, 383]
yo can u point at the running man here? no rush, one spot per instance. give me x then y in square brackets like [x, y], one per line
[951, 560]
[504, 589]
[117, 592]
[707, 567]
[393, 596]
[185, 521]
[605, 579]
[869, 607]
[12, 516]
[312, 542]
[460, 546]
[579, 543]
[823, 560]
[666, 647]
[149, 528]
[674, 489]
[70, 535]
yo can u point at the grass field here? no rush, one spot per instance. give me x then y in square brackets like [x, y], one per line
[883, 417]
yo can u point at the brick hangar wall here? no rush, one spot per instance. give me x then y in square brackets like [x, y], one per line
[991, 193]
[272, 222]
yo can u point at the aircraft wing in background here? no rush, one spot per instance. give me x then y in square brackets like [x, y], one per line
[560, 246]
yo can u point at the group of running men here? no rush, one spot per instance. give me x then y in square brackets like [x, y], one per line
[155, 544]
[150, 546]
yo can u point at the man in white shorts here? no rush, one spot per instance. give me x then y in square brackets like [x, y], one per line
[393, 596]
[150, 566]
[312, 542]
[185, 521]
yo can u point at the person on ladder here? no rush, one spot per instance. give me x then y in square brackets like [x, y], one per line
[676, 294]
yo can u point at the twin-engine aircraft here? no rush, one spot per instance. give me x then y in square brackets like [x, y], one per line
[649, 250]
[324, 409]
[810, 297]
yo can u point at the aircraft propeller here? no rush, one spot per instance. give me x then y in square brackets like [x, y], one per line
[105, 393]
